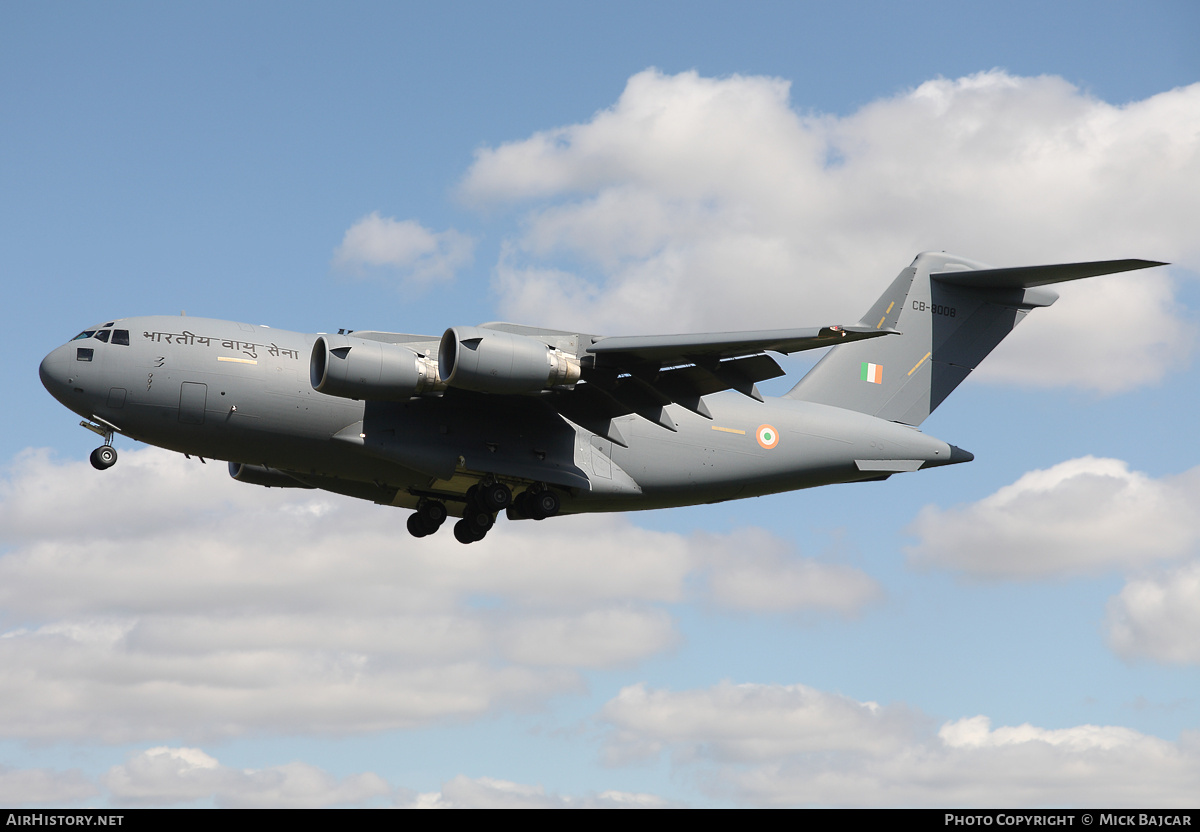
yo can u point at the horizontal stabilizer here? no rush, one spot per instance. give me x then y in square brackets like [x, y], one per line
[1025, 277]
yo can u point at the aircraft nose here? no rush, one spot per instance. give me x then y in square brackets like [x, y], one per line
[53, 373]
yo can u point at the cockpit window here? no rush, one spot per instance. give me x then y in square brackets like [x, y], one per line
[83, 353]
[103, 334]
[121, 336]
[87, 333]
[110, 323]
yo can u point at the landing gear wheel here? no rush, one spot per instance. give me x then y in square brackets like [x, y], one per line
[520, 506]
[417, 526]
[427, 519]
[536, 503]
[463, 533]
[104, 457]
[433, 513]
[478, 518]
[494, 497]
[542, 505]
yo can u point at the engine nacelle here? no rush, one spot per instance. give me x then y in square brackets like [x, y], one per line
[355, 368]
[488, 361]
[261, 475]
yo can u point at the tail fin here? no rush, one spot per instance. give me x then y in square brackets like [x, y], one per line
[952, 313]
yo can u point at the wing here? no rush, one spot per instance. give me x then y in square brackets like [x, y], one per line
[644, 374]
[641, 375]
[723, 345]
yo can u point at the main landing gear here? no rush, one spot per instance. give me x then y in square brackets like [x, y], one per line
[483, 503]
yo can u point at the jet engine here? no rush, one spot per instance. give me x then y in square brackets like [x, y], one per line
[488, 361]
[355, 368]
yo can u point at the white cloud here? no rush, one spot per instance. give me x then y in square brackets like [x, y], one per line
[608, 636]
[405, 246]
[712, 204]
[1081, 516]
[167, 776]
[162, 600]
[1085, 516]
[753, 570]
[489, 793]
[42, 787]
[748, 723]
[1158, 617]
[1160, 337]
[776, 745]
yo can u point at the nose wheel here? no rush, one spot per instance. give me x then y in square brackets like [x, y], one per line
[103, 457]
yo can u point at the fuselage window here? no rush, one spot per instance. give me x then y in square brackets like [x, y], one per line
[87, 333]
[103, 334]
[83, 353]
[121, 336]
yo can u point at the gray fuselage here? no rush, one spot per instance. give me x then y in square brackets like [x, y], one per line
[242, 393]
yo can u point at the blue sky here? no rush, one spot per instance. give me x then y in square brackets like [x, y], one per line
[1017, 631]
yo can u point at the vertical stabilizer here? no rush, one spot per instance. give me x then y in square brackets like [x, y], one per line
[952, 313]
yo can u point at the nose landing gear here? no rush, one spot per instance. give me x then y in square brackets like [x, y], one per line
[105, 456]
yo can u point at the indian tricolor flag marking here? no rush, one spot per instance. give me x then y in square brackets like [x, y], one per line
[872, 373]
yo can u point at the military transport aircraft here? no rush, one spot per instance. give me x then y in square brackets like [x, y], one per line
[538, 422]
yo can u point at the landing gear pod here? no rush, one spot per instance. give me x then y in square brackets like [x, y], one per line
[261, 475]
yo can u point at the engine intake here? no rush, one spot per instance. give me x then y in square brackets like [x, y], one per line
[487, 361]
[354, 368]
